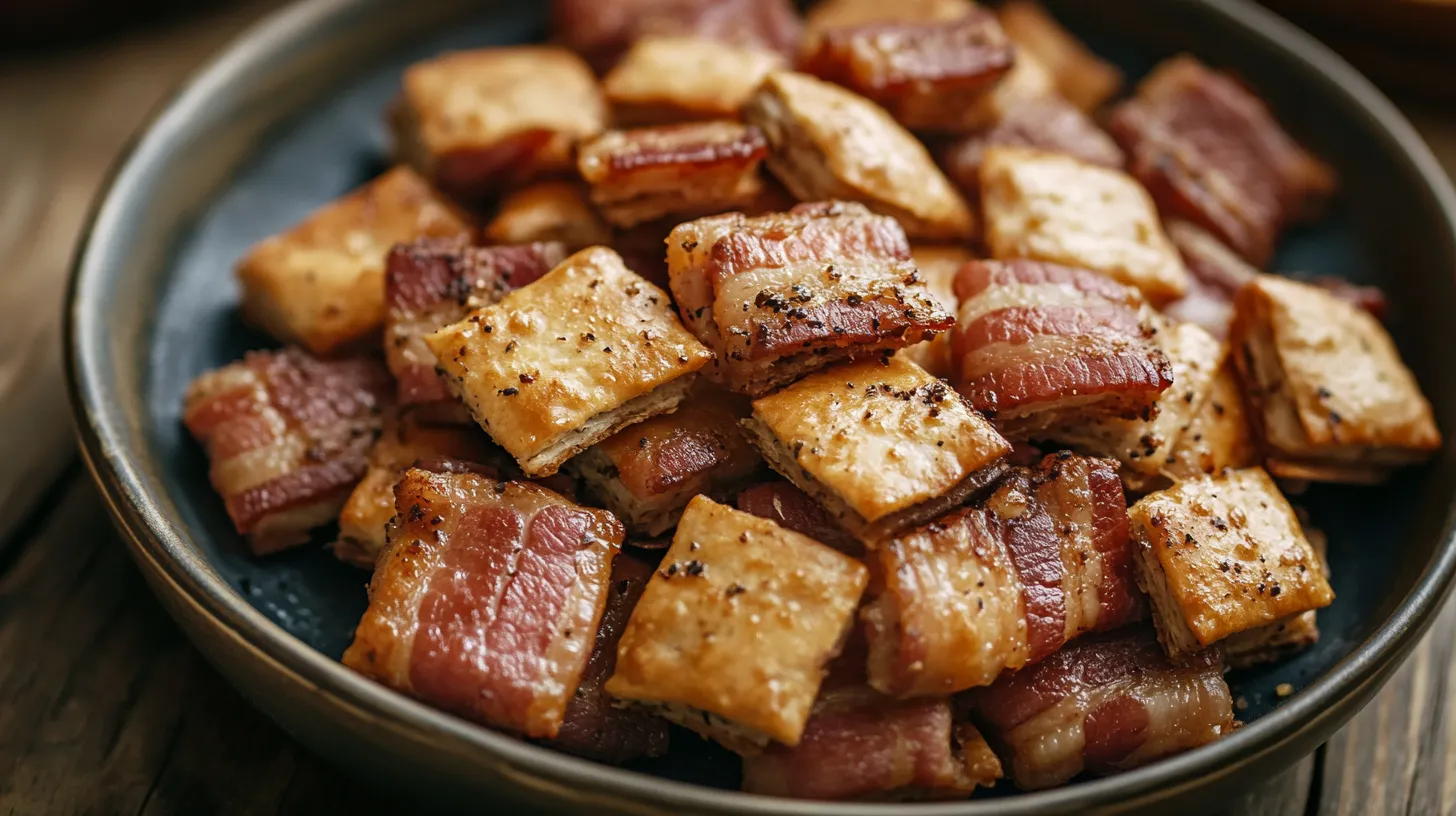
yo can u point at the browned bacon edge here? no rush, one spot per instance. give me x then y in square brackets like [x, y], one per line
[695, 145]
[885, 59]
[1130, 705]
[786, 505]
[594, 726]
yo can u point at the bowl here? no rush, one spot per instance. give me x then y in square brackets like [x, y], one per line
[288, 117]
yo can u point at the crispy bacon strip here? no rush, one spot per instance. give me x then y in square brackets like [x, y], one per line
[673, 170]
[1046, 123]
[594, 726]
[926, 73]
[861, 744]
[1038, 345]
[1104, 704]
[1210, 151]
[789, 507]
[602, 32]
[432, 283]
[647, 472]
[487, 599]
[1003, 584]
[287, 437]
[782, 295]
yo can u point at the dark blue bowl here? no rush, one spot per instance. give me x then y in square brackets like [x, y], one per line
[289, 118]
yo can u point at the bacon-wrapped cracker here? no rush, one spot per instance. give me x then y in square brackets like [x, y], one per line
[409, 436]
[646, 473]
[1210, 151]
[1040, 346]
[673, 170]
[926, 73]
[559, 365]
[320, 284]
[1002, 584]
[783, 295]
[1105, 704]
[1223, 554]
[432, 283]
[1047, 123]
[733, 634]
[663, 80]
[789, 507]
[1144, 446]
[548, 211]
[860, 744]
[287, 437]
[477, 122]
[938, 266]
[1218, 437]
[594, 725]
[829, 143]
[1326, 388]
[1054, 207]
[486, 602]
[1081, 76]
[882, 446]
[601, 32]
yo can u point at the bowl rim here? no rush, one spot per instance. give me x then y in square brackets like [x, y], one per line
[167, 555]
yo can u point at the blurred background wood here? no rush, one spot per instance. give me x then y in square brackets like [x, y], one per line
[1407, 46]
[105, 708]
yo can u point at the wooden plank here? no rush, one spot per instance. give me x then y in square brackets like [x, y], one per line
[107, 709]
[1285, 795]
[64, 117]
[1395, 757]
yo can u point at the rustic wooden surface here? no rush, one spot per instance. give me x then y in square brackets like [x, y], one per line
[104, 707]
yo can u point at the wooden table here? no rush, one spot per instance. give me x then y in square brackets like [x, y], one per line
[105, 708]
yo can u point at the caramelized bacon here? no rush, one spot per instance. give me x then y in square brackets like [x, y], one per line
[594, 726]
[793, 509]
[601, 32]
[1040, 346]
[1211, 152]
[432, 283]
[673, 170]
[287, 437]
[487, 599]
[926, 73]
[1046, 123]
[1006, 583]
[861, 744]
[1104, 704]
[645, 474]
[782, 295]
[410, 438]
